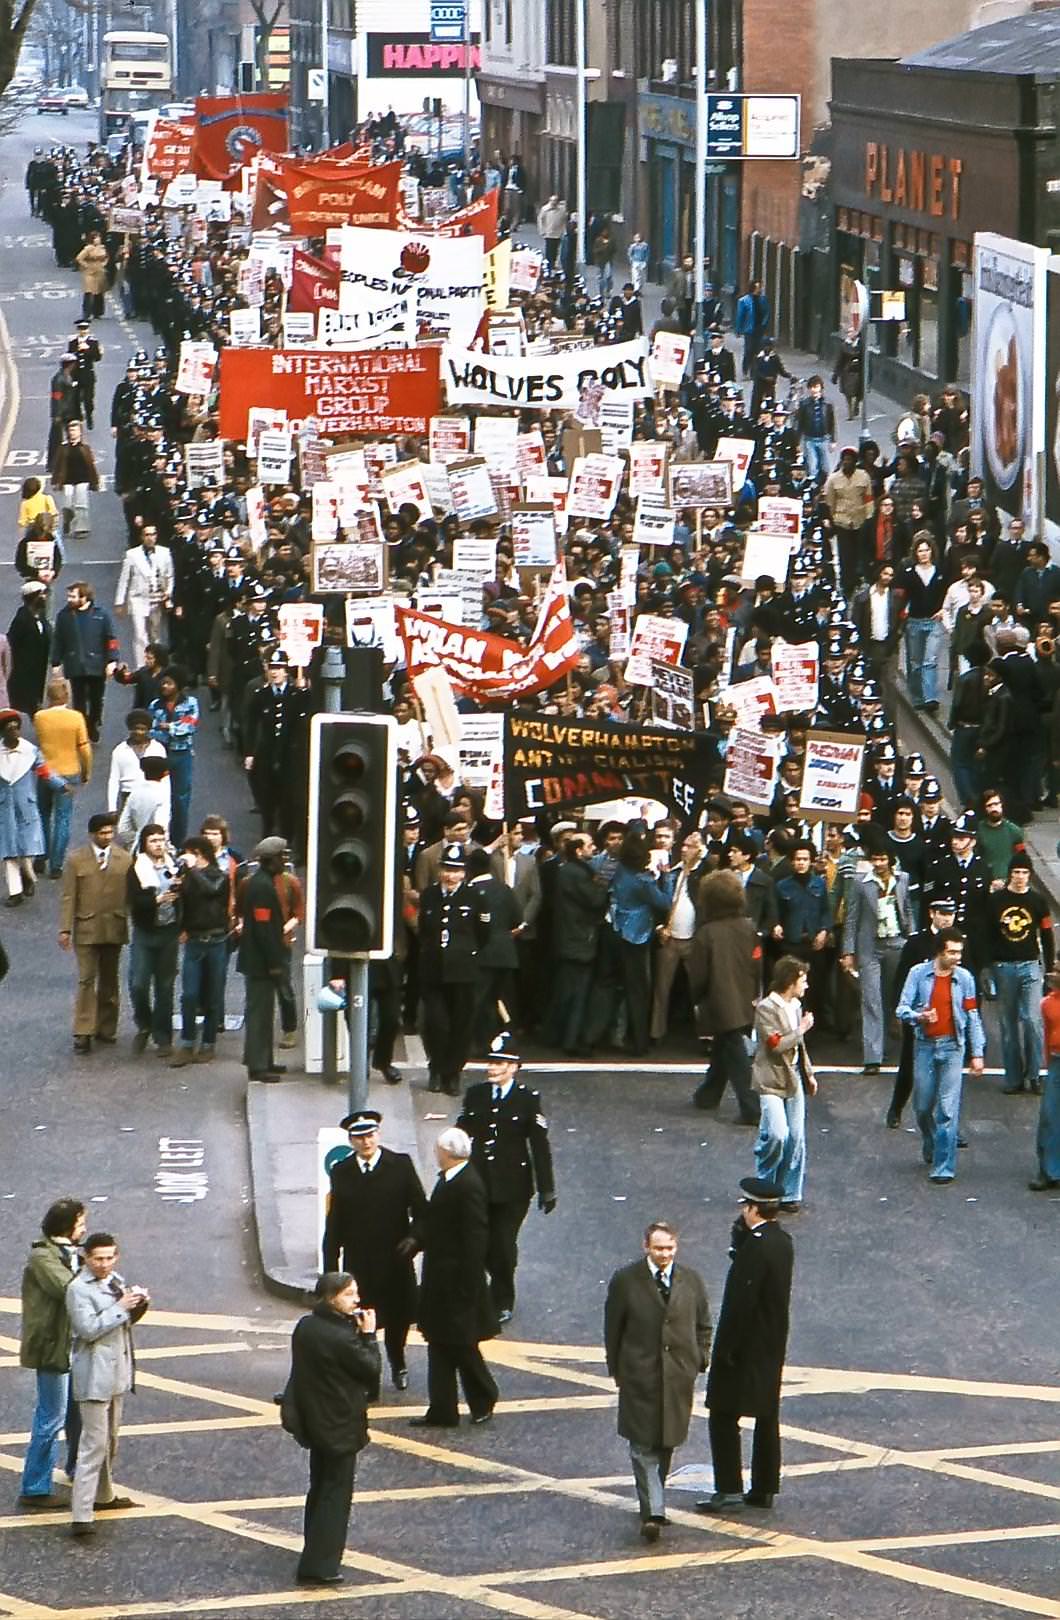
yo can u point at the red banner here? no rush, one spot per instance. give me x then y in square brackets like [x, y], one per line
[168, 152]
[229, 130]
[321, 195]
[484, 666]
[314, 284]
[477, 219]
[361, 393]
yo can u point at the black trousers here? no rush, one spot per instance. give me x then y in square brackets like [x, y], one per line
[327, 1512]
[448, 1025]
[385, 990]
[259, 1019]
[569, 1005]
[635, 962]
[903, 1080]
[444, 1362]
[497, 985]
[849, 543]
[765, 1452]
[88, 698]
[502, 1251]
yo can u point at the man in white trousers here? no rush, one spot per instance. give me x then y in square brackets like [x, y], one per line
[145, 588]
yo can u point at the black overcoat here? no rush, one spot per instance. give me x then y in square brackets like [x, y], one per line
[752, 1333]
[334, 1378]
[455, 1304]
[368, 1216]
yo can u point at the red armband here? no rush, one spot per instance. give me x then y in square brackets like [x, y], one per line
[1047, 921]
[262, 914]
[970, 1004]
[773, 1042]
[756, 954]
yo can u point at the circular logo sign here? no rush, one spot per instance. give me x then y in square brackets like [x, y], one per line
[242, 141]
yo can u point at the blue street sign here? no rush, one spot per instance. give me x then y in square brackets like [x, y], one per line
[448, 22]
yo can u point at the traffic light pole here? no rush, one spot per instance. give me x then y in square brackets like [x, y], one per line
[332, 673]
[357, 1014]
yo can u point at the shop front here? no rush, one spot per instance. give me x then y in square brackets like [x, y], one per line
[912, 180]
[668, 190]
[512, 121]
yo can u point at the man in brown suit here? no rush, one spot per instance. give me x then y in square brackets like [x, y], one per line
[93, 919]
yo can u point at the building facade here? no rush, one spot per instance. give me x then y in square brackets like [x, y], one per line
[511, 82]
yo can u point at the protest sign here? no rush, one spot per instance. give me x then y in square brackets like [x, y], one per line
[440, 495]
[392, 321]
[507, 333]
[668, 359]
[250, 281]
[260, 418]
[449, 437]
[531, 459]
[180, 192]
[439, 709]
[795, 671]
[616, 425]
[496, 440]
[481, 742]
[498, 268]
[405, 485]
[621, 627]
[765, 554]
[751, 700]
[485, 666]
[701, 483]
[322, 193]
[167, 148]
[373, 624]
[472, 489]
[391, 392]
[831, 776]
[300, 630]
[594, 485]
[655, 640]
[780, 514]
[647, 467]
[204, 461]
[274, 456]
[244, 326]
[534, 536]
[256, 515]
[311, 465]
[526, 270]
[557, 765]
[440, 604]
[445, 275]
[739, 453]
[40, 558]
[751, 765]
[672, 697]
[348, 566]
[195, 368]
[653, 525]
[545, 382]
[299, 330]
[314, 284]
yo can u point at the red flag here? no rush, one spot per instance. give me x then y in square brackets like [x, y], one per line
[485, 666]
[229, 130]
[320, 195]
[314, 284]
[168, 150]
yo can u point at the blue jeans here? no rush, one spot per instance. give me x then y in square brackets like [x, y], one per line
[1019, 1005]
[49, 1417]
[780, 1148]
[181, 770]
[1049, 1123]
[922, 638]
[202, 984]
[153, 967]
[967, 775]
[818, 458]
[56, 814]
[938, 1073]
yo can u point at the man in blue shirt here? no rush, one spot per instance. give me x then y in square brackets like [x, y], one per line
[939, 1000]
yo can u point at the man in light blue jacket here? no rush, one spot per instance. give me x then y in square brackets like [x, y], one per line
[939, 1000]
[102, 1311]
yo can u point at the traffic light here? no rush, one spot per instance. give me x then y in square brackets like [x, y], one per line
[352, 835]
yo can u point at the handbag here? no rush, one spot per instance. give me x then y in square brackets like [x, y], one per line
[290, 1417]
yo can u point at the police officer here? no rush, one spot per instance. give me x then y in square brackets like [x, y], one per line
[965, 876]
[511, 1152]
[274, 724]
[87, 355]
[375, 1197]
[453, 928]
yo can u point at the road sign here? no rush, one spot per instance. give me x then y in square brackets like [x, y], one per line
[749, 126]
[448, 22]
[314, 87]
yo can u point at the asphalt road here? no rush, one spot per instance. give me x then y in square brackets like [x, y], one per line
[922, 1472]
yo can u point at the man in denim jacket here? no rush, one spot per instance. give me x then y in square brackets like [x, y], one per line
[939, 1000]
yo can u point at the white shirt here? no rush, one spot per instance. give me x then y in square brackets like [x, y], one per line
[879, 615]
[682, 924]
[454, 1170]
[665, 1272]
[126, 769]
[500, 1091]
[369, 1164]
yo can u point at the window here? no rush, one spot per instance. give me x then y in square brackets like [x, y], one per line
[128, 52]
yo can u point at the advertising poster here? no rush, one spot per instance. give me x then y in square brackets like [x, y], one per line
[1008, 374]
[831, 776]
[1052, 407]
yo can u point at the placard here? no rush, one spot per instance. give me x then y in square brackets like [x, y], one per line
[405, 485]
[496, 441]
[795, 671]
[672, 697]
[752, 760]
[244, 326]
[765, 554]
[738, 452]
[831, 776]
[299, 329]
[594, 485]
[780, 514]
[655, 641]
[256, 516]
[445, 275]
[300, 630]
[259, 419]
[195, 369]
[526, 270]
[472, 489]
[373, 624]
[348, 566]
[668, 359]
[274, 456]
[481, 743]
[534, 536]
[449, 437]
[653, 525]
[40, 557]
[391, 322]
[531, 457]
[616, 425]
[546, 382]
[752, 700]
[203, 462]
[698, 484]
[647, 467]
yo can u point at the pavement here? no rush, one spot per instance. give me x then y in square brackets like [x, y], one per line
[922, 1465]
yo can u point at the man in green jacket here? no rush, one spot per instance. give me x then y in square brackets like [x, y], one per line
[45, 1346]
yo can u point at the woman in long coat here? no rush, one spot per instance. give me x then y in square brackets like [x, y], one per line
[22, 766]
[30, 638]
[724, 972]
[92, 263]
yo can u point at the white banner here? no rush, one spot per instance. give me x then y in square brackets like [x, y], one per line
[545, 382]
[390, 322]
[445, 275]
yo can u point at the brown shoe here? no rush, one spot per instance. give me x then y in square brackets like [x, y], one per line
[114, 1504]
[182, 1057]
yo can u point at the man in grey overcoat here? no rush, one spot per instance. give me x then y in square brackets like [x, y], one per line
[657, 1338]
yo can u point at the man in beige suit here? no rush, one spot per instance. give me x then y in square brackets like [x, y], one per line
[93, 919]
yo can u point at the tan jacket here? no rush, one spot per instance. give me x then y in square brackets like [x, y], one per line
[777, 1047]
[92, 907]
[849, 499]
[92, 263]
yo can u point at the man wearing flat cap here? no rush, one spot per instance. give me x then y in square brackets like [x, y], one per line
[93, 920]
[510, 1150]
[749, 1349]
[375, 1197]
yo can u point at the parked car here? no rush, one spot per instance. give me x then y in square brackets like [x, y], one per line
[53, 101]
[77, 96]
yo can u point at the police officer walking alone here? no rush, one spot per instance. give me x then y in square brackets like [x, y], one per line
[453, 928]
[511, 1152]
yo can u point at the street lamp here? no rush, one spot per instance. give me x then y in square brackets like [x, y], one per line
[581, 116]
[701, 171]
